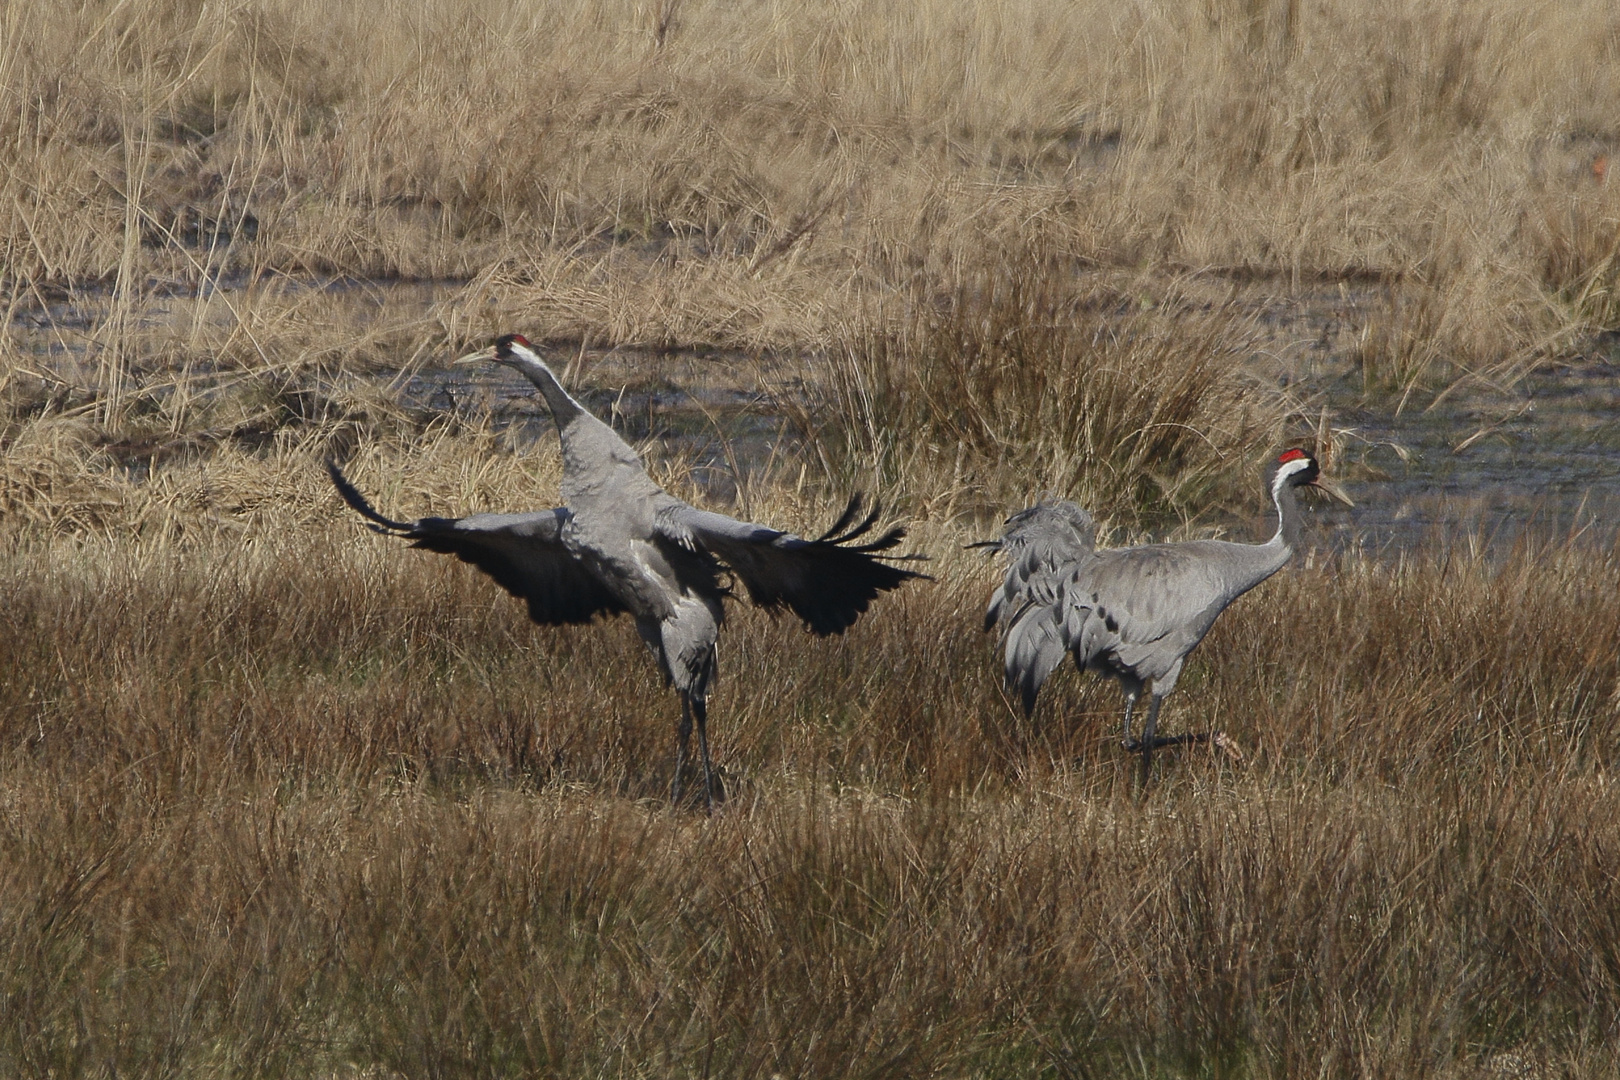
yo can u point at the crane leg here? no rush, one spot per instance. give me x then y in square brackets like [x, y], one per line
[683, 738]
[700, 709]
[1125, 739]
[1149, 741]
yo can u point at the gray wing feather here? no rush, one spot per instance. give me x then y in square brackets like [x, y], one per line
[827, 582]
[1146, 602]
[524, 553]
[1034, 648]
[1044, 544]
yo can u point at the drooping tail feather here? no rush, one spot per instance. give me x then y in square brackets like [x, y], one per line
[1034, 649]
[1043, 545]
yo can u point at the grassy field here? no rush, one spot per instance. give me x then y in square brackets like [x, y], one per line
[278, 798]
[305, 804]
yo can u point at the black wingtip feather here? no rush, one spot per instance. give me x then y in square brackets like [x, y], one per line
[358, 503]
[852, 575]
[839, 538]
[852, 508]
[882, 543]
[863, 528]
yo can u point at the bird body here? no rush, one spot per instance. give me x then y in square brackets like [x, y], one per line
[1143, 609]
[1129, 613]
[621, 544]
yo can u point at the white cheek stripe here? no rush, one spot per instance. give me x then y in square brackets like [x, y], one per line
[1288, 469]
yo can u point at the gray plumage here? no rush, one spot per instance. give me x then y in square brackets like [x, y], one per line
[621, 544]
[1043, 545]
[1130, 613]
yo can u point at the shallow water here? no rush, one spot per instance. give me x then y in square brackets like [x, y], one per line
[1485, 464]
[1481, 465]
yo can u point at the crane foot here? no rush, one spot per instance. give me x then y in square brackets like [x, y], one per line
[690, 792]
[1218, 740]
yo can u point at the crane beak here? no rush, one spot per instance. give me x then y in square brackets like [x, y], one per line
[1333, 490]
[481, 356]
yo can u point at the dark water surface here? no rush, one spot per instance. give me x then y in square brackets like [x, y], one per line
[1485, 464]
[1481, 464]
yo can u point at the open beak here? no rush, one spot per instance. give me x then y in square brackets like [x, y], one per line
[482, 355]
[1332, 489]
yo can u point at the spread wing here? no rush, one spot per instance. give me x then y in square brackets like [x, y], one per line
[524, 553]
[828, 582]
[1044, 545]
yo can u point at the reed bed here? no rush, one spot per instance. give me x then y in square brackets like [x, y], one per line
[685, 173]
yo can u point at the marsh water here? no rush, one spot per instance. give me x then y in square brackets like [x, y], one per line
[1478, 463]
[1473, 462]
[1484, 464]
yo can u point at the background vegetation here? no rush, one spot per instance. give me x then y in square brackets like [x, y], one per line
[279, 799]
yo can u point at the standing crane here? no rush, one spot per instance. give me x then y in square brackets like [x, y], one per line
[1130, 613]
[621, 544]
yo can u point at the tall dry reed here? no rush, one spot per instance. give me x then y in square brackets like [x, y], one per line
[693, 173]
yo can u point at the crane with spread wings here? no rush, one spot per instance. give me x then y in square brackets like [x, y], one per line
[620, 544]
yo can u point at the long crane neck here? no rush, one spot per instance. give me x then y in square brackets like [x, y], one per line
[1240, 567]
[564, 409]
[1290, 525]
[598, 465]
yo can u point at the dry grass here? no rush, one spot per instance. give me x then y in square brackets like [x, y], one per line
[314, 804]
[277, 798]
[739, 177]
[846, 187]
[1026, 379]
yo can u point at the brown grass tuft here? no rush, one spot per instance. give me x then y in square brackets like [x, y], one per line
[1028, 375]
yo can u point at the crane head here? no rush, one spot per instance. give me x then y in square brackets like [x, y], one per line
[505, 350]
[1298, 468]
